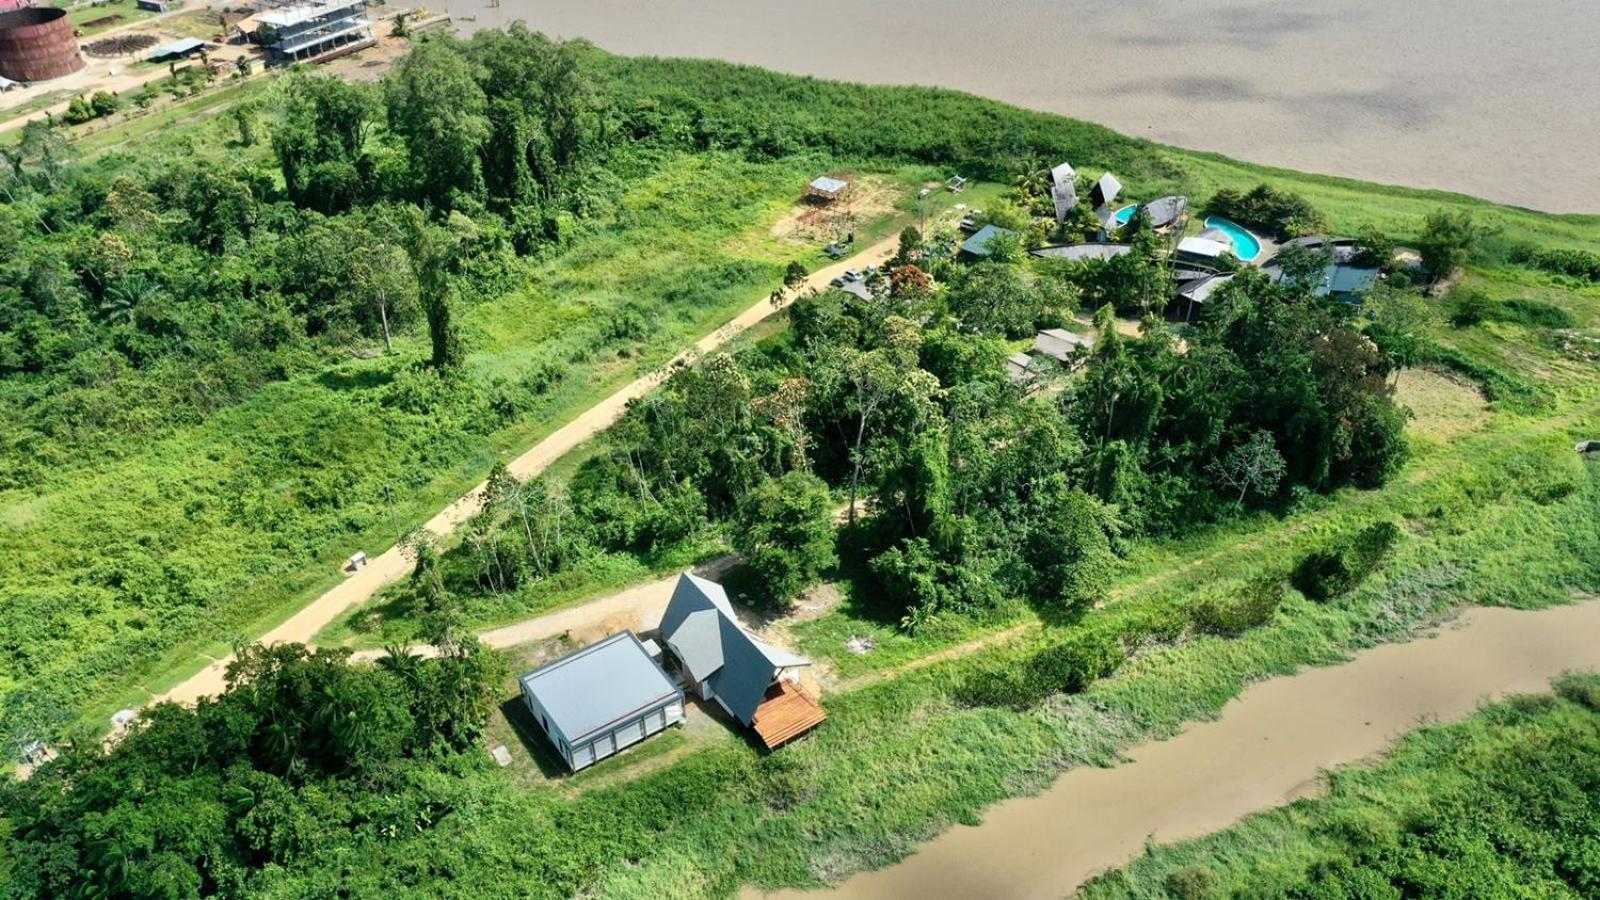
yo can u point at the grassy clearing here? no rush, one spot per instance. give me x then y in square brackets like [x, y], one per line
[128, 12]
[664, 262]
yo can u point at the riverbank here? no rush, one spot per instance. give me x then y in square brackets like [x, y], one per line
[1483, 807]
[1268, 747]
[1354, 90]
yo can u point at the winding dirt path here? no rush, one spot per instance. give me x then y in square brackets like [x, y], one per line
[391, 565]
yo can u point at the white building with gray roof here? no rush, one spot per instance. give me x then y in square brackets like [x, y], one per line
[600, 700]
[719, 660]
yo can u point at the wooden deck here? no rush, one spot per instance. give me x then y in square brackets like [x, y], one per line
[786, 713]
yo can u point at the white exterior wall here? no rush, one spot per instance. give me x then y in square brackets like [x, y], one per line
[625, 735]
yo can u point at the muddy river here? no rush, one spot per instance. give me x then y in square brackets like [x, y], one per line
[1494, 98]
[1267, 749]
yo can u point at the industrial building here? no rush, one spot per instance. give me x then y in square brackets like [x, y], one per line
[305, 31]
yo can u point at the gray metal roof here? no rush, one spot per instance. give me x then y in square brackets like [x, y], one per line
[1203, 247]
[978, 244]
[828, 185]
[178, 48]
[1201, 289]
[1166, 210]
[859, 288]
[602, 685]
[1058, 343]
[700, 627]
[1106, 190]
[1081, 251]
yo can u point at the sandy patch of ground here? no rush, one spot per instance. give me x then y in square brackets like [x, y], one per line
[874, 196]
[1443, 406]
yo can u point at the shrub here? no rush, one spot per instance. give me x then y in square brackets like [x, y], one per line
[1251, 607]
[1573, 263]
[1192, 883]
[1336, 570]
[1536, 313]
[786, 533]
[1448, 240]
[1070, 666]
[1283, 213]
[1580, 687]
[1470, 307]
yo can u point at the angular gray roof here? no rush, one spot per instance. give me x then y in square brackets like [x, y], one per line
[1201, 289]
[829, 185]
[700, 627]
[1106, 190]
[599, 686]
[1063, 190]
[1165, 211]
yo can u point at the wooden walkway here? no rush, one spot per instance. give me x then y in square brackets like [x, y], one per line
[786, 713]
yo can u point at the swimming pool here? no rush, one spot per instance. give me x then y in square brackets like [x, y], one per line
[1125, 214]
[1246, 246]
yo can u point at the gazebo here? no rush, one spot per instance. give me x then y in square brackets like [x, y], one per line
[827, 188]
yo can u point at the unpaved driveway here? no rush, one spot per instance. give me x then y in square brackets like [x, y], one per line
[391, 565]
[638, 608]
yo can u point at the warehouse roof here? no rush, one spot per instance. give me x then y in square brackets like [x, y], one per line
[599, 686]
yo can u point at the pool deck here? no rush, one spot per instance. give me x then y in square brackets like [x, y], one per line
[1265, 249]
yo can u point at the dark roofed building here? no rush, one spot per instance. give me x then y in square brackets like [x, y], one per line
[756, 683]
[1166, 212]
[597, 701]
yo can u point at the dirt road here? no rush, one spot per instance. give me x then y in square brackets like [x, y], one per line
[638, 608]
[392, 565]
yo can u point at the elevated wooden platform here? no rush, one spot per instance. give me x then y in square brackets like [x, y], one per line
[786, 713]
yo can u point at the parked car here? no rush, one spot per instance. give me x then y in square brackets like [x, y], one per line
[853, 275]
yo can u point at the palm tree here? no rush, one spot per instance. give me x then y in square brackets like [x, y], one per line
[126, 295]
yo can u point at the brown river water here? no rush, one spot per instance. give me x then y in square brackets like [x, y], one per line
[1267, 748]
[1496, 98]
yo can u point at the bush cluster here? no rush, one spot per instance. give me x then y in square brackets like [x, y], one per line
[1572, 263]
[1282, 213]
[1251, 607]
[1338, 569]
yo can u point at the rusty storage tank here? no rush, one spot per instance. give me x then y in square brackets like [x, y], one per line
[37, 43]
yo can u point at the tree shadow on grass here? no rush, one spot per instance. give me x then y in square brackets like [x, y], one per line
[356, 378]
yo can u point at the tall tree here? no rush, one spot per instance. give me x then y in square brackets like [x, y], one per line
[433, 250]
[438, 110]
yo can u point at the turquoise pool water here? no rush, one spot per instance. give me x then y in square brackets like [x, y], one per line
[1246, 246]
[1125, 214]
